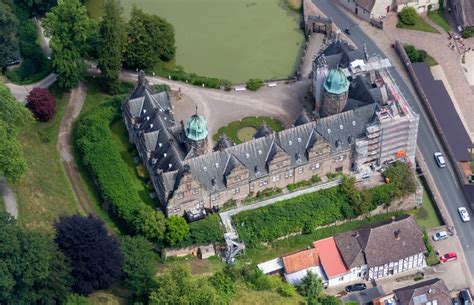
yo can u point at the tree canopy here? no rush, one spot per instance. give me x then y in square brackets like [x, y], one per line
[37, 7]
[408, 15]
[311, 287]
[111, 41]
[150, 38]
[151, 224]
[176, 229]
[32, 269]
[69, 28]
[42, 104]
[8, 32]
[95, 255]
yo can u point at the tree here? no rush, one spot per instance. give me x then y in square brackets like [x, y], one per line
[69, 27]
[414, 54]
[110, 46]
[9, 43]
[150, 223]
[176, 229]
[408, 15]
[13, 116]
[178, 286]
[138, 259]
[149, 39]
[224, 285]
[359, 203]
[330, 300]
[42, 104]
[75, 299]
[37, 7]
[311, 287]
[254, 84]
[32, 269]
[402, 176]
[94, 254]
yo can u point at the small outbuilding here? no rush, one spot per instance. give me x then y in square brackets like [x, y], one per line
[204, 252]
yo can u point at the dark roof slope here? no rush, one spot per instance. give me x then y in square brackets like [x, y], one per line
[446, 115]
[424, 292]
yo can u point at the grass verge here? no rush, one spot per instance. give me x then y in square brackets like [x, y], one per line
[439, 18]
[420, 25]
[246, 296]
[426, 216]
[278, 248]
[232, 129]
[44, 193]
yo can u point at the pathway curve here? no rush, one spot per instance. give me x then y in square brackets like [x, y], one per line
[64, 146]
[8, 198]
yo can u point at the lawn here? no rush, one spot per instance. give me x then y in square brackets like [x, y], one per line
[239, 130]
[44, 193]
[426, 216]
[246, 296]
[420, 25]
[439, 18]
[430, 61]
[228, 39]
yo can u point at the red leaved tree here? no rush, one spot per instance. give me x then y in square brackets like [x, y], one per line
[42, 104]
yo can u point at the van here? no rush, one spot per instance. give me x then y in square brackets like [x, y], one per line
[465, 297]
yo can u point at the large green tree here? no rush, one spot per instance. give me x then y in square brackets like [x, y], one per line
[111, 41]
[176, 230]
[69, 27]
[37, 7]
[8, 40]
[13, 116]
[32, 270]
[311, 287]
[150, 223]
[150, 38]
[178, 286]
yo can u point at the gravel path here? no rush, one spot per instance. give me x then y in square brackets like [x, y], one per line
[8, 198]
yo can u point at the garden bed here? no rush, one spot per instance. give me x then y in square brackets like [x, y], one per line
[233, 129]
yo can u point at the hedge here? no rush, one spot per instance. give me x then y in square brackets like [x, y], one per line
[102, 158]
[204, 231]
[308, 211]
[179, 74]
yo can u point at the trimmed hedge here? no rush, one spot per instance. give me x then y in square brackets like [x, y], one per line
[179, 74]
[308, 211]
[102, 158]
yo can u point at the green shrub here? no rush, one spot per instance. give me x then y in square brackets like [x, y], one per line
[403, 178]
[408, 16]
[179, 74]
[305, 183]
[254, 84]
[468, 32]
[204, 231]
[414, 54]
[224, 285]
[287, 290]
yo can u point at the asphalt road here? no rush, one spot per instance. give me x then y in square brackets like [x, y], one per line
[428, 143]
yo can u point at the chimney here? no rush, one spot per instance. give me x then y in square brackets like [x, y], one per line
[397, 234]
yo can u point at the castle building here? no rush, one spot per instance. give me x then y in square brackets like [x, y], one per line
[361, 119]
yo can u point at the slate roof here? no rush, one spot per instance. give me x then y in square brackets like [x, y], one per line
[302, 119]
[223, 143]
[366, 4]
[339, 54]
[381, 243]
[424, 292]
[263, 131]
[300, 260]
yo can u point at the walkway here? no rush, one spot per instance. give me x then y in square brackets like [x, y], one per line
[65, 147]
[8, 198]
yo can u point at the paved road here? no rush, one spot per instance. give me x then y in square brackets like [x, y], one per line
[20, 92]
[427, 142]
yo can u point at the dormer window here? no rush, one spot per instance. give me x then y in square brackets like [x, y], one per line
[341, 126]
[160, 144]
[170, 165]
[247, 155]
[353, 123]
[205, 169]
[299, 140]
[257, 170]
[164, 155]
[329, 130]
[259, 152]
[154, 160]
[151, 125]
[144, 110]
[147, 118]
[290, 142]
[217, 165]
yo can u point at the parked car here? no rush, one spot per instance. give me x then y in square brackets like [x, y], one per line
[455, 301]
[440, 235]
[464, 214]
[356, 287]
[451, 256]
[465, 297]
[439, 158]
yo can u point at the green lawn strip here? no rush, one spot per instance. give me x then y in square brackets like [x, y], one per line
[426, 216]
[233, 128]
[430, 61]
[420, 25]
[44, 193]
[244, 296]
[439, 18]
[278, 248]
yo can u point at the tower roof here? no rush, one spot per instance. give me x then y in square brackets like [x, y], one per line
[302, 119]
[263, 131]
[336, 82]
[223, 143]
[197, 128]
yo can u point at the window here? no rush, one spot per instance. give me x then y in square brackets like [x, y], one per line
[276, 178]
[300, 170]
[237, 178]
[263, 182]
[339, 169]
[251, 187]
[195, 191]
[180, 196]
[315, 166]
[236, 190]
[215, 197]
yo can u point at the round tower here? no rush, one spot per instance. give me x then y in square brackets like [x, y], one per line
[336, 91]
[196, 134]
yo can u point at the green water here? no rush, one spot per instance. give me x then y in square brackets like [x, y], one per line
[230, 39]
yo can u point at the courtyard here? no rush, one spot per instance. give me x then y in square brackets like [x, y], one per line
[228, 39]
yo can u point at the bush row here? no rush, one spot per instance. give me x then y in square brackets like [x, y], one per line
[294, 186]
[102, 158]
[179, 74]
[306, 212]
[204, 231]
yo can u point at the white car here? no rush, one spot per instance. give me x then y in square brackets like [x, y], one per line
[464, 214]
[440, 235]
[440, 159]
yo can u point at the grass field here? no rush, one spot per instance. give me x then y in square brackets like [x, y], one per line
[426, 216]
[420, 25]
[44, 193]
[238, 131]
[439, 18]
[228, 39]
[246, 296]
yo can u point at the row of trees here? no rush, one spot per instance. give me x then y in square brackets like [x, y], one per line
[140, 43]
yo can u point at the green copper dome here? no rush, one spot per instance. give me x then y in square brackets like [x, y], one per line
[336, 82]
[197, 128]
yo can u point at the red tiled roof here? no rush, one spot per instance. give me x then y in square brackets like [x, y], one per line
[330, 257]
[300, 260]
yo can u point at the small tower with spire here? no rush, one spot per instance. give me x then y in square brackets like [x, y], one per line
[196, 134]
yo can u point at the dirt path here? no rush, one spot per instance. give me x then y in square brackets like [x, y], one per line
[8, 198]
[73, 109]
